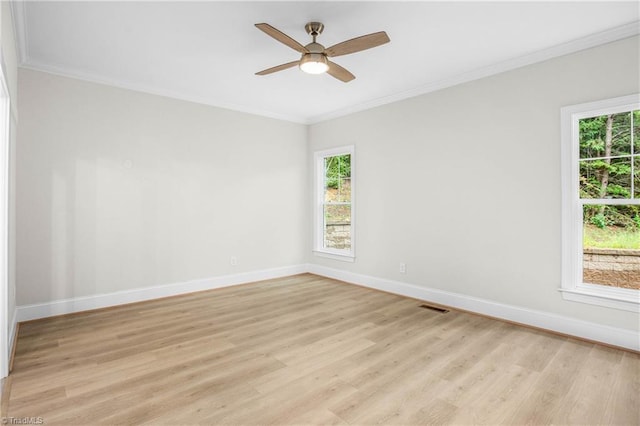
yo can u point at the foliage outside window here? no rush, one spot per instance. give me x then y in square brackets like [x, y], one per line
[601, 196]
[334, 210]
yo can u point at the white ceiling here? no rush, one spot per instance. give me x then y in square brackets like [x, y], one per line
[208, 52]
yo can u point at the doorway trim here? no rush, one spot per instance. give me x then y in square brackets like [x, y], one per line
[5, 141]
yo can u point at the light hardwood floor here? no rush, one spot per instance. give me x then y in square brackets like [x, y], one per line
[310, 350]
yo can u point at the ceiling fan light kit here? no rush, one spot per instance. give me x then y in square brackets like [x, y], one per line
[315, 56]
[314, 63]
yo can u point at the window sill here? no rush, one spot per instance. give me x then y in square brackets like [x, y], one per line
[335, 256]
[617, 298]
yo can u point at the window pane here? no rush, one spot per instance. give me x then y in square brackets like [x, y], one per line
[608, 178]
[611, 245]
[636, 132]
[344, 190]
[337, 226]
[636, 176]
[340, 192]
[605, 135]
[337, 178]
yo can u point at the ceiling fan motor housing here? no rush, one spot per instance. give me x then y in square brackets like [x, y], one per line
[314, 47]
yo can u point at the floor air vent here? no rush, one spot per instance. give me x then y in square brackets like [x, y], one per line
[435, 308]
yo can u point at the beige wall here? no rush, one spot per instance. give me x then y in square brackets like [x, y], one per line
[463, 184]
[121, 190]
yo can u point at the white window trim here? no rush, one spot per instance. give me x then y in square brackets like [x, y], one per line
[318, 220]
[572, 287]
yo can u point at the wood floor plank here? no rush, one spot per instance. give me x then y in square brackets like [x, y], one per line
[428, 371]
[494, 402]
[581, 403]
[623, 407]
[310, 350]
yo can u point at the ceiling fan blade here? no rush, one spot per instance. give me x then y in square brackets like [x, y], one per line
[278, 68]
[340, 73]
[282, 37]
[357, 44]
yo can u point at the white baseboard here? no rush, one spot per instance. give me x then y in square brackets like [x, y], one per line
[540, 319]
[79, 304]
[566, 325]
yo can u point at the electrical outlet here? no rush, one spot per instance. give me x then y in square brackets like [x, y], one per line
[233, 261]
[403, 268]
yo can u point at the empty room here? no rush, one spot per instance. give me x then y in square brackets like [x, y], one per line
[316, 212]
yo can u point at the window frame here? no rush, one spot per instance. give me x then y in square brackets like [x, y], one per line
[319, 203]
[572, 286]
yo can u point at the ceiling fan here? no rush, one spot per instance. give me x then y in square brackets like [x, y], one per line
[315, 56]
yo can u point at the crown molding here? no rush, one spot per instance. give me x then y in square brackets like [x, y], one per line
[98, 79]
[18, 13]
[593, 40]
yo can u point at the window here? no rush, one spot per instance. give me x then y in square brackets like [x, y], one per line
[601, 203]
[334, 191]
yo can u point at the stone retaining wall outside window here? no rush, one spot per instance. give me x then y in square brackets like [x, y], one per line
[612, 267]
